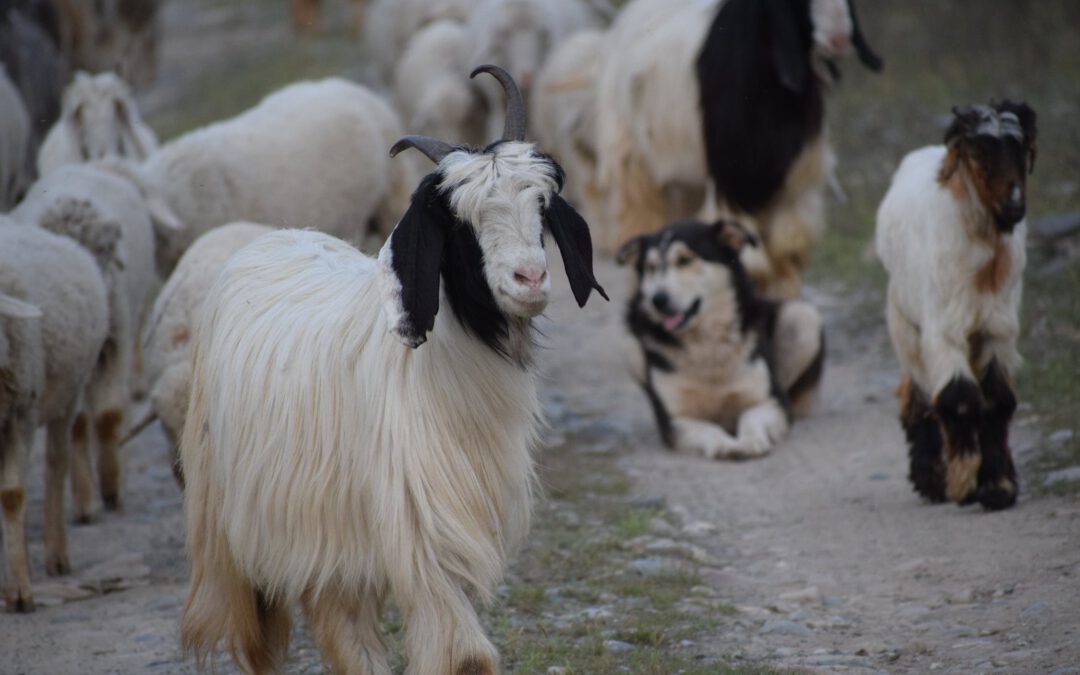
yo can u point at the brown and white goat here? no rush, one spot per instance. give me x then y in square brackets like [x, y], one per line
[950, 233]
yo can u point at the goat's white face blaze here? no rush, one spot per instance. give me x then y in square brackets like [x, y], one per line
[502, 194]
[833, 27]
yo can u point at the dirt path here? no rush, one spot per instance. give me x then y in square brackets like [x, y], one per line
[833, 561]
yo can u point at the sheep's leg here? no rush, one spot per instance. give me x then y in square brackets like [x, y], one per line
[927, 472]
[957, 408]
[799, 346]
[443, 635]
[57, 453]
[15, 446]
[82, 470]
[997, 484]
[109, 400]
[348, 632]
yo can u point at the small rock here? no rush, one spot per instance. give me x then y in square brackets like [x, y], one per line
[661, 527]
[698, 528]
[962, 597]
[1066, 475]
[1037, 608]
[783, 652]
[1061, 435]
[648, 502]
[805, 596]
[595, 613]
[784, 627]
[703, 591]
[557, 670]
[649, 567]
[617, 646]
[686, 644]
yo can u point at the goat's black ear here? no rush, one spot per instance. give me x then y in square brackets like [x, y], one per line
[630, 250]
[410, 263]
[865, 52]
[1026, 117]
[734, 234]
[571, 233]
[790, 51]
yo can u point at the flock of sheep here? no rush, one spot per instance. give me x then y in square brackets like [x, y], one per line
[338, 437]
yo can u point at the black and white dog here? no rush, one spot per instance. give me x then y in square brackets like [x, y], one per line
[725, 371]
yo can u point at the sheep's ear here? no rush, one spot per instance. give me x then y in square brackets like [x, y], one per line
[791, 54]
[17, 309]
[410, 263]
[128, 119]
[734, 234]
[630, 251]
[571, 233]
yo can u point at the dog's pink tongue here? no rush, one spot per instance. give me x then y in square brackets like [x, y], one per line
[672, 322]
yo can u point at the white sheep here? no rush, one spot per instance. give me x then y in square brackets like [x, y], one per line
[719, 104]
[99, 119]
[391, 24]
[106, 214]
[329, 462]
[53, 321]
[950, 233]
[563, 113]
[519, 34]
[167, 336]
[433, 96]
[308, 155]
[16, 169]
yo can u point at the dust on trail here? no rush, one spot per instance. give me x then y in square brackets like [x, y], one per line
[833, 561]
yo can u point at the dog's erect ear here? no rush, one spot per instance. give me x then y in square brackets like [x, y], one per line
[410, 263]
[571, 233]
[790, 51]
[734, 234]
[630, 251]
[865, 52]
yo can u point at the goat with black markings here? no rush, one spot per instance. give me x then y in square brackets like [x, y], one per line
[719, 106]
[950, 233]
[329, 463]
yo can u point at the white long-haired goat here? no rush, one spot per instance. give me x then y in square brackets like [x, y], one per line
[330, 463]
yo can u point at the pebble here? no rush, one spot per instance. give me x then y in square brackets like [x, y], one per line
[1061, 435]
[650, 567]
[617, 646]
[1062, 475]
[648, 502]
[595, 613]
[557, 670]
[703, 591]
[805, 596]
[698, 528]
[784, 627]
[961, 597]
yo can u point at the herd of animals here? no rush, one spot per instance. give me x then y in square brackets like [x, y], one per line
[338, 438]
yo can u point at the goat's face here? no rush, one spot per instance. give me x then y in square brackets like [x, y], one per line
[832, 28]
[996, 147]
[688, 271]
[503, 195]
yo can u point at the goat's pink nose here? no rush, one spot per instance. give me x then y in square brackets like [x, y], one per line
[530, 277]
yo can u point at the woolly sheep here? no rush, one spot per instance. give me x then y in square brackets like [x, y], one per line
[309, 155]
[106, 214]
[563, 110]
[167, 337]
[99, 119]
[950, 233]
[53, 321]
[519, 34]
[433, 97]
[328, 463]
[15, 168]
[391, 24]
[680, 126]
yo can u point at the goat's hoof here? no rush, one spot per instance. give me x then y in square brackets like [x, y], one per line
[475, 665]
[112, 502]
[997, 497]
[19, 600]
[57, 565]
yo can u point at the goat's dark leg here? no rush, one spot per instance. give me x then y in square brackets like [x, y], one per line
[997, 482]
[958, 408]
[927, 472]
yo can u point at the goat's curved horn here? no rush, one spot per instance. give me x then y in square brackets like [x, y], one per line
[514, 129]
[432, 147]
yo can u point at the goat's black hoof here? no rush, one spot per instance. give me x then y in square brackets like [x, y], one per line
[997, 497]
